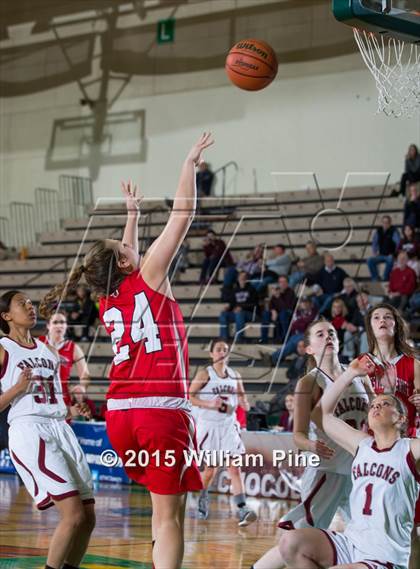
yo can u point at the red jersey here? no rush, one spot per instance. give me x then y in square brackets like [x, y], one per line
[404, 387]
[66, 352]
[150, 345]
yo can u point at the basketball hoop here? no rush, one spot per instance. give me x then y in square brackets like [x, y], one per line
[395, 65]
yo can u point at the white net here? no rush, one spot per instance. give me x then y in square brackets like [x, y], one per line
[395, 65]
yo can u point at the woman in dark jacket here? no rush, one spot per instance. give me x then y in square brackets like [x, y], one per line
[411, 173]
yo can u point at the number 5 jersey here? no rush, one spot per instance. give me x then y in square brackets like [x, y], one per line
[44, 397]
[150, 346]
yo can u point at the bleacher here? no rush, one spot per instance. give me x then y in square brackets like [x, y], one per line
[243, 222]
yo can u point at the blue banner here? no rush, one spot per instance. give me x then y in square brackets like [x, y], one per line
[94, 441]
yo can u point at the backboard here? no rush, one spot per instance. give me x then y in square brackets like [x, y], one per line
[396, 18]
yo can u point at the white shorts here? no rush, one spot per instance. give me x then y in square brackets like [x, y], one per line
[321, 495]
[346, 552]
[49, 460]
[220, 436]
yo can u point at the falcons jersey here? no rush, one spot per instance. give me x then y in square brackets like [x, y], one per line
[224, 387]
[404, 387]
[352, 408]
[66, 353]
[150, 346]
[44, 398]
[385, 488]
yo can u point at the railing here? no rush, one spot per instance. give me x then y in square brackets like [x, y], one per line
[76, 196]
[47, 210]
[223, 169]
[5, 235]
[22, 216]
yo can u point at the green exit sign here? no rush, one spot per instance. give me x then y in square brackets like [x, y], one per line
[166, 31]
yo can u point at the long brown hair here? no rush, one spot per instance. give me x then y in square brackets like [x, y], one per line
[400, 336]
[101, 271]
[311, 361]
[5, 302]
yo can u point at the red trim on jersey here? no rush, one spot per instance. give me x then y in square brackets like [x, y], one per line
[332, 545]
[366, 564]
[307, 502]
[203, 441]
[23, 345]
[42, 466]
[376, 449]
[4, 365]
[88, 501]
[411, 461]
[45, 504]
[27, 470]
[288, 525]
[59, 497]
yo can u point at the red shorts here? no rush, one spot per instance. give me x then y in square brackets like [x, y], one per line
[417, 514]
[166, 438]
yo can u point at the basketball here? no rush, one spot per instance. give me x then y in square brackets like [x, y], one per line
[251, 65]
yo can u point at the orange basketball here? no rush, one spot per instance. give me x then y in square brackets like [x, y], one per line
[251, 65]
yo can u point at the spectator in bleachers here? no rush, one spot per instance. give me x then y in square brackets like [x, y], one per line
[410, 243]
[215, 252]
[83, 313]
[412, 207]
[204, 180]
[279, 311]
[297, 366]
[411, 170]
[330, 278]
[358, 321]
[348, 295]
[305, 313]
[286, 418]
[402, 282]
[384, 245]
[278, 265]
[308, 266]
[340, 319]
[242, 308]
[252, 265]
[180, 262]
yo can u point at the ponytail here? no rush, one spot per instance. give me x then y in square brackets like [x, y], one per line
[50, 302]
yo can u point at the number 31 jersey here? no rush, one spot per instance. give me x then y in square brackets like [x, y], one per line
[149, 341]
[44, 397]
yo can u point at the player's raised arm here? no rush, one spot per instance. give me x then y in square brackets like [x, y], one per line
[339, 431]
[160, 254]
[131, 230]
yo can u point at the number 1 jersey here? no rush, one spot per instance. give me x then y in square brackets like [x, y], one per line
[150, 345]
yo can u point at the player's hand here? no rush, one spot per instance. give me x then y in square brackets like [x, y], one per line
[320, 448]
[80, 409]
[132, 198]
[204, 142]
[216, 403]
[363, 365]
[24, 381]
[415, 399]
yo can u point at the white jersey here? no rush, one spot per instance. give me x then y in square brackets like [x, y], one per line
[352, 407]
[385, 489]
[45, 397]
[224, 387]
